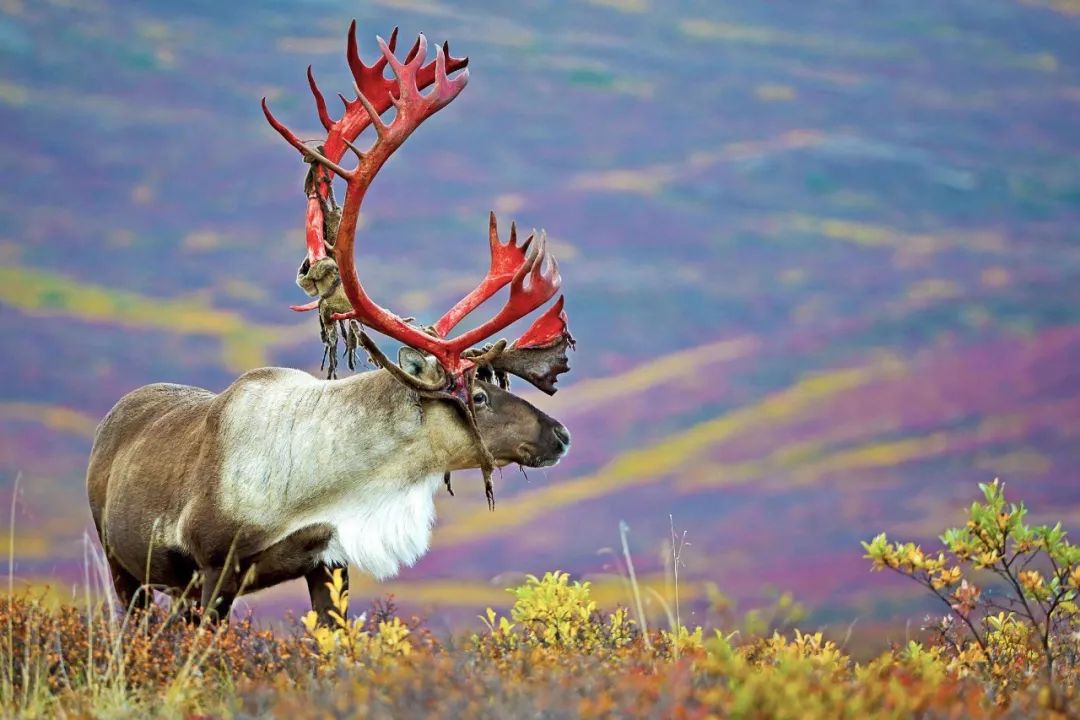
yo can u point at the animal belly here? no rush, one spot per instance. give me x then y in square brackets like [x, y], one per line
[289, 558]
[163, 566]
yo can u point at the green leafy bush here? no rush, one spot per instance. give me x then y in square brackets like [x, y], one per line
[1011, 589]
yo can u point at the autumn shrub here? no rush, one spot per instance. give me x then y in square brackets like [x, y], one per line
[61, 653]
[1007, 648]
[555, 613]
[369, 638]
[1010, 589]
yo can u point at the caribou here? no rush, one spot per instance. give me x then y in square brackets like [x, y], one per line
[285, 475]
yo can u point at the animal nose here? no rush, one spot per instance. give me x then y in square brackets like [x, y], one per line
[563, 434]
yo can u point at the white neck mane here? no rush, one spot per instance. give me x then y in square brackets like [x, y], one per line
[351, 453]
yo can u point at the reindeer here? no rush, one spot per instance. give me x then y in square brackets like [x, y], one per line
[284, 475]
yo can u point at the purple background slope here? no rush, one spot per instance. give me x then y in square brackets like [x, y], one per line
[821, 261]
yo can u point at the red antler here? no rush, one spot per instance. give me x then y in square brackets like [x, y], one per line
[380, 92]
[532, 279]
[506, 260]
[546, 329]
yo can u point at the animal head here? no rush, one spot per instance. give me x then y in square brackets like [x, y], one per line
[444, 369]
[512, 429]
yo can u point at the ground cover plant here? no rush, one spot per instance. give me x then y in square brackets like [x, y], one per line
[1006, 645]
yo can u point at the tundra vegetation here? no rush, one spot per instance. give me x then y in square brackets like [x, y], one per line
[1005, 645]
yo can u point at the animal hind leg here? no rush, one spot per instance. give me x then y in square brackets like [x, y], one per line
[128, 588]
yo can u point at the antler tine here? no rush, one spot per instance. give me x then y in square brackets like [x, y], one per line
[320, 101]
[381, 129]
[306, 307]
[361, 72]
[523, 300]
[408, 68]
[505, 262]
[413, 50]
[546, 328]
[493, 233]
[291, 138]
[513, 238]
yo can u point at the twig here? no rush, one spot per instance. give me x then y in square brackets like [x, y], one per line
[624, 530]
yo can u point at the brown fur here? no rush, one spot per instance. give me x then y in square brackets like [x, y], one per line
[154, 476]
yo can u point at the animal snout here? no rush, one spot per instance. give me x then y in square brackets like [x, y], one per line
[562, 434]
[549, 447]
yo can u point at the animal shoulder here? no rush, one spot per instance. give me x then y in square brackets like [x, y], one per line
[299, 378]
[265, 375]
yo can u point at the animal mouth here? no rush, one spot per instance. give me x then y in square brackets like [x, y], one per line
[547, 462]
[530, 456]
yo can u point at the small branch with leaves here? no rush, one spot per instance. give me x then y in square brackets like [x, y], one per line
[1031, 603]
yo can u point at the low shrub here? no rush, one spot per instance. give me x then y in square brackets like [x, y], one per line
[1006, 648]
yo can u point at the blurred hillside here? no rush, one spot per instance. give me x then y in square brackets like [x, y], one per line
[822, 262]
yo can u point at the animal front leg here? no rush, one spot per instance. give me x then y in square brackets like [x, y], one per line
[320, 582]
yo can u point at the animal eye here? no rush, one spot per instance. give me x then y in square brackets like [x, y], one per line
[479, 398]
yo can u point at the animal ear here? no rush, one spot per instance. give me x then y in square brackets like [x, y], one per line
[418, 364]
